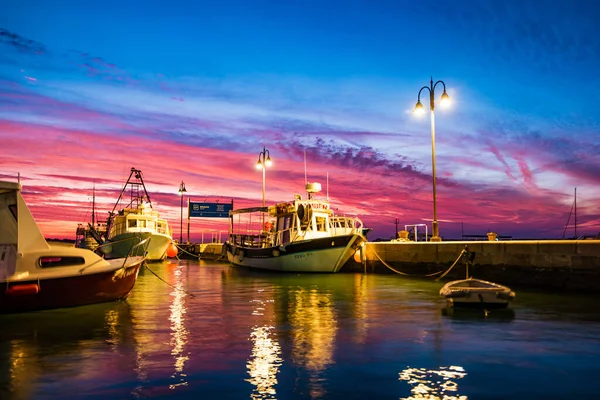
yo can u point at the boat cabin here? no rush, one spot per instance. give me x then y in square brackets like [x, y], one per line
[287, 222]
[140, 219]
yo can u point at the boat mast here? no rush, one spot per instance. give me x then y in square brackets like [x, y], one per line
[94, 205]
[137, 184]
[575, 213]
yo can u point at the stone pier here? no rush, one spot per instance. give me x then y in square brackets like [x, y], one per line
[548, 264]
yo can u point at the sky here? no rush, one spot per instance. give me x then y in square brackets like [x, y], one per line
[192, 91]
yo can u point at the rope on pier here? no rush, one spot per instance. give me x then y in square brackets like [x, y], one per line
[433, 274]
[175, 288]
[452, 266]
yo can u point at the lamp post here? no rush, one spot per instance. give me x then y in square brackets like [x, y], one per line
[181, 192]
[264, 161]
[396, 234]
[445, 99]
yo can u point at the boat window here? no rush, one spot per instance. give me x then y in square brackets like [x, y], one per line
[150, 224]
[50, 262]
[321, 224]
[132, 223]
[13, 211]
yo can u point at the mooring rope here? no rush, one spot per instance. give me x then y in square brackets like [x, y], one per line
[452, 266]
[175, 288]
[427, 275]
[187, 252]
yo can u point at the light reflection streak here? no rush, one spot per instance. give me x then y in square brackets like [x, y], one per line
[427, 384]
[264, 363]
[314, 327]
[179, 332]
[112, 323]
[360, 307]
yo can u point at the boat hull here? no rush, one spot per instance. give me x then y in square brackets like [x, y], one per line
[68, 291]
[326, 255]
[476, 293]
[157, 248]
[121, 245]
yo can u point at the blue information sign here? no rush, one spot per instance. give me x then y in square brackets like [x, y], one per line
[209, 210]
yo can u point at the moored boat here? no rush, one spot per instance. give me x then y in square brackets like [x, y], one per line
[137, 221]
[477, 293]
[302, 235]
[89, 236]
[35, 275]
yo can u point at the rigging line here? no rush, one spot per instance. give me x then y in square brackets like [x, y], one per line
[175, 288]
[568, 220]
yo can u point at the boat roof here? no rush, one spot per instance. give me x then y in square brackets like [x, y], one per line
[9, 186]
[250, 210]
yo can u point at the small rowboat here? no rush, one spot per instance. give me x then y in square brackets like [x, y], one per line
[477, 293]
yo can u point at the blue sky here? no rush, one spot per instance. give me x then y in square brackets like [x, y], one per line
[193, 90]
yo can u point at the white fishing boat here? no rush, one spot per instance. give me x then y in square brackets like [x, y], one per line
[35, 275]
[302, 235]
[476, 293]
[137, 221]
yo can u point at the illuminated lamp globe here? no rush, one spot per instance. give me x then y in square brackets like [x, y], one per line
[419, 108]
[445, 100]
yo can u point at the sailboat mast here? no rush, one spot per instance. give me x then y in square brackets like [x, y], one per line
[575, 213]
[94, 205]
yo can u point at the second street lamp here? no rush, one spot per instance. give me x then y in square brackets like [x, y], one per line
[264, 161]
[181, 192]
[445, 99]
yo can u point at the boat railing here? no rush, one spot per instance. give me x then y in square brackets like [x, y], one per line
[248, 239]
[135, 250]
[343, 225]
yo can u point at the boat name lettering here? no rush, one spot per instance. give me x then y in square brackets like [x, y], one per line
[302, 255]
[320, 206]
[123, 273]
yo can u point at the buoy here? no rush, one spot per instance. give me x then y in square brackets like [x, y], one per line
[172, 250]
[22, 290]
[358, 255]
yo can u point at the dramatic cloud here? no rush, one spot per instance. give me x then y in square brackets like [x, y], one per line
[329, 94]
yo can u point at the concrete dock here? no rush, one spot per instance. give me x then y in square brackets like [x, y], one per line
[572, 265]
[548, 264]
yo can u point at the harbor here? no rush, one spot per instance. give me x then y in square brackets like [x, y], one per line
[216, 331]
[303, 201]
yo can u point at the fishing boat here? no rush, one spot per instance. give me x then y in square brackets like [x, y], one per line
[476, 293]
[89, 236]
[302, 235]
[35, 275]
[137, 221]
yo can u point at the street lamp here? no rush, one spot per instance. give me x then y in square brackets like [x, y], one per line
[181, 191]
[264, 161]
[435, 237]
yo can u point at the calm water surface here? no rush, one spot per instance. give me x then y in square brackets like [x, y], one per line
[221, 332]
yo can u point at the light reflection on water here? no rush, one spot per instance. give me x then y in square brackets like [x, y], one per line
[426, 384]
[179, 332]
[258, 335]
[263, 364]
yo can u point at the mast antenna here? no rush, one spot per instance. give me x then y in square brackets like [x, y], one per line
[305, 179]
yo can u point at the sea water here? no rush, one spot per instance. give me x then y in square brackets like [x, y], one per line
[207, 330]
